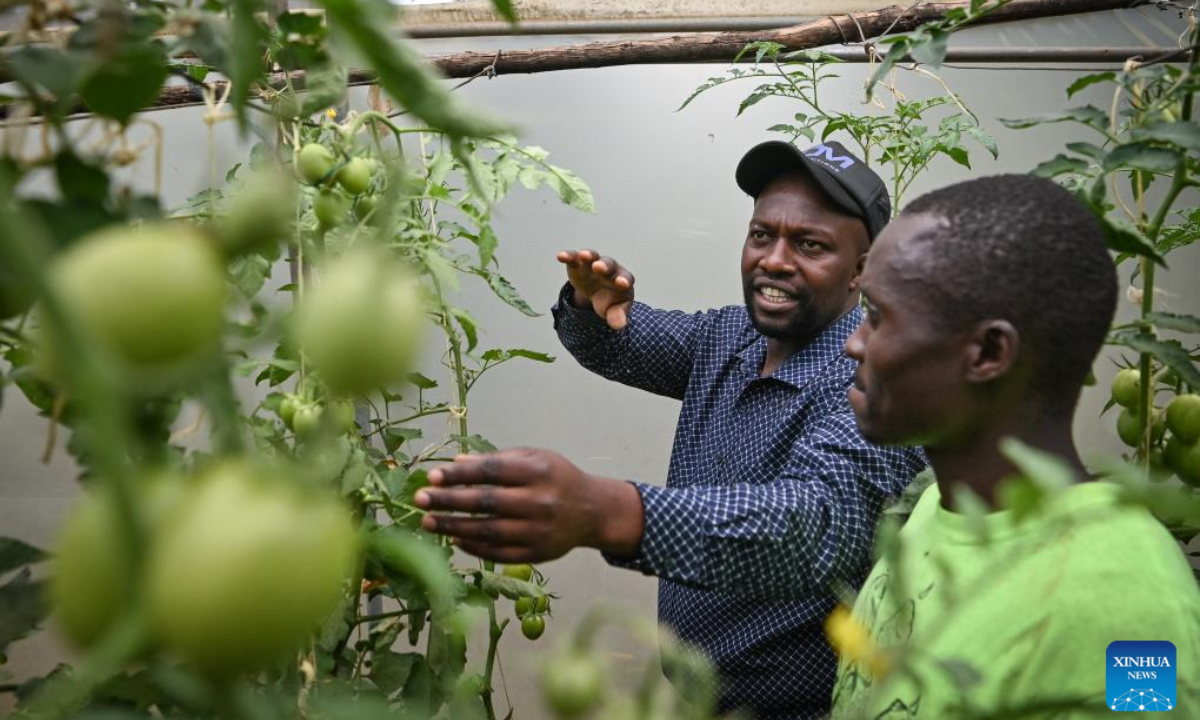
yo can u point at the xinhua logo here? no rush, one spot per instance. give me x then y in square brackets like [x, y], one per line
[1141, 676]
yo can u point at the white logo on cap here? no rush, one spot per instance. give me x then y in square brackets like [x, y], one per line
[824, 152]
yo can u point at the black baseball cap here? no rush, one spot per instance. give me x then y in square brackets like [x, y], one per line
[845, 179]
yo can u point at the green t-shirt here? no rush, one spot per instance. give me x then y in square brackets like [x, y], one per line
[1019, 623]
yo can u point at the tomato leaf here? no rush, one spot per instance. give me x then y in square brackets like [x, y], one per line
[246, 50]
[475, 442]
[1169, 352]
[931, 49]
[1059, 165]
[58, 71]
[418, 691]
[1173, 321]
[447, 651]
[124, 84]
[80, 181]
[1141, 156]
[324, 88]
[22, 606]
[390, 670]
[486, 241]
[467, 322]
[1181, 134]
[509, 587]
[15, 553]
[1126, 240]
[249, 273]
[497, 355]
[506, 292]
[1089, 80]
[421, 381]
[571, 189]
[417, 559]
[394, 437]
[1088, 115]
[402, 72]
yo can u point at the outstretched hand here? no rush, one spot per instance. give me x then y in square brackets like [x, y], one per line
[528, 505]
[600, 282]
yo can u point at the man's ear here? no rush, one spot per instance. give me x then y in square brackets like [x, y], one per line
[856, 278]
[995, 347]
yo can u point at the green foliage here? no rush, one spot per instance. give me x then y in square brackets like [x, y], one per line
[1133, 178]
[927, 44]
[902, 141]
[434, 215]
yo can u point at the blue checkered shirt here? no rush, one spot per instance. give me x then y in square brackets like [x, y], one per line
[772, 494]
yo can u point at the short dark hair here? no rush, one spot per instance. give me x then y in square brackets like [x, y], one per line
[1023, 249]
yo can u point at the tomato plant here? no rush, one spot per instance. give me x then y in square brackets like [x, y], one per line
[1133, 176]
[290, 566]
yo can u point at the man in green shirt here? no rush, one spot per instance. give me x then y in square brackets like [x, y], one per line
[986, 303]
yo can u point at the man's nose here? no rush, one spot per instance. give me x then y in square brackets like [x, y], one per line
[854, 343]
[779, 258]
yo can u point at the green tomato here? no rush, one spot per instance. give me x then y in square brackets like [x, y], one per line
[314, 162]
[330, 207]
[361, 325]
[532, 626]
[287, 409]
[1173, 453]
[1183, 417]
[248, 571]
[152, 296]
[306, 421]
[1126, 387]
[541, 604]
[91, 580]
[1186, 462]
[521, 572]
[355, 176]
[365, 206]
[341, 416]
[573, 684]
[1127, 427]
[260, 215]
[524, 606]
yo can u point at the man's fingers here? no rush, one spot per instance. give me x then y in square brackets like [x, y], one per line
[493, 531]
[492, 469]
[484, 500]
[581, 258]
[607, 267]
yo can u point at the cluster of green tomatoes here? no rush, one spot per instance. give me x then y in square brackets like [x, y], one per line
[340, 187]
[531, 611]
[1175, 453]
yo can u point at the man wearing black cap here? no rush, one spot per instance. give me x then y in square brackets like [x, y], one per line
[772, 494]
